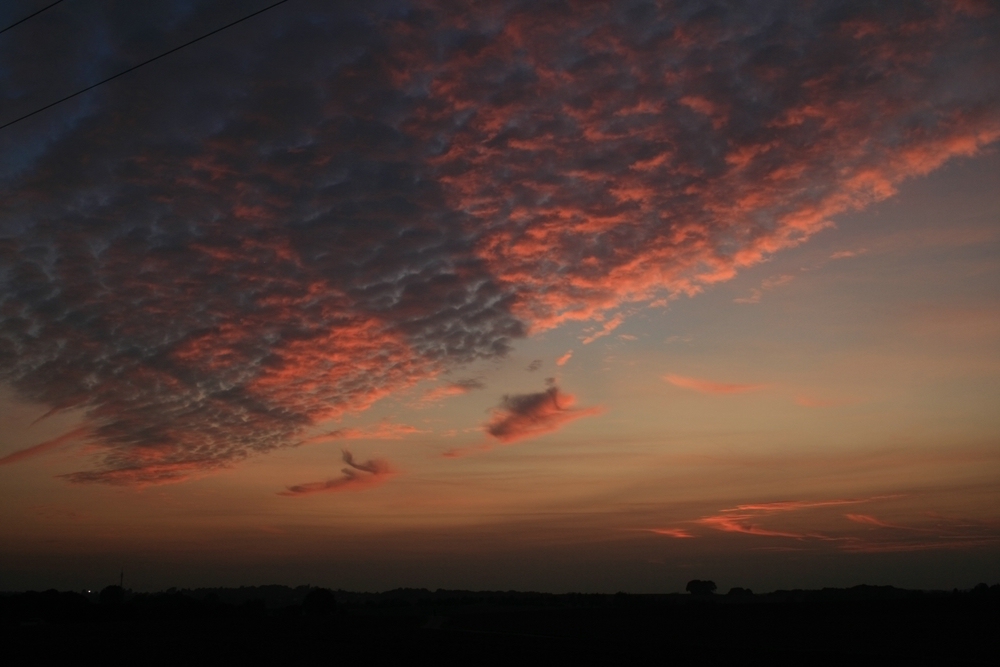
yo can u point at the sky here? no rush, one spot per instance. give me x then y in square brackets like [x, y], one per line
[559, 296]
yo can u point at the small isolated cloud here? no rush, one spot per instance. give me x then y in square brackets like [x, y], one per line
[523, 416]
[629, 337]
[561, 361]
[776, 281]
[382, 431]
[708, 386]
[608, 327]
[846, 254]
[355, 477]
[534, 365]
[755, 295]
[452, 389]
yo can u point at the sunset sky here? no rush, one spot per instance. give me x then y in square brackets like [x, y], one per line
[561, 296]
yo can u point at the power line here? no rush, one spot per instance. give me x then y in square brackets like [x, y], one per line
[142, 64]
[12, 25]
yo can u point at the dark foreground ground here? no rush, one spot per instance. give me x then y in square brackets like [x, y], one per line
[864, 625]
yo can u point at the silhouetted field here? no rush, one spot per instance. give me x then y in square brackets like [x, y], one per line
[860, 625]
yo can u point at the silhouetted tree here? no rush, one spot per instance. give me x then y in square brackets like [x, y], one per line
[319, 602]
[737, 591]
[699, 587]
[112, 595]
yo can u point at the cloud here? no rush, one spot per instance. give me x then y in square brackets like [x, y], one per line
[947, 533]
[606, 329]
[311, 212]
[382, 431]
[534, 365]
[679, 533]
[522, 416]
[810, 402]
[744, 518]
[48, 445]
[561, 361]
[708, 386]
[355, 477]
[767, 284]
[741, 524]
[866, 519]
[846, 254]
[452, 389]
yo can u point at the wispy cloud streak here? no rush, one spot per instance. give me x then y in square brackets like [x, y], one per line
[48, 445]
[709, 386]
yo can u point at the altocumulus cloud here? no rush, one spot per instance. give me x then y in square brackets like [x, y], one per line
[324, 206]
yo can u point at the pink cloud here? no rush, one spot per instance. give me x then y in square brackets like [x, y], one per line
[561, 361]
[608, 327]
[708, 386]
[522, 416]
[745, 518]
[450, 389]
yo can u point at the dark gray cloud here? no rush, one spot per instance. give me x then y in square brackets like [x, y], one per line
[333, 201]
[522, 416]
[376, 472]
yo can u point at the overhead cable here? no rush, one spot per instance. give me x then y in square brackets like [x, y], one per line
[142, 64]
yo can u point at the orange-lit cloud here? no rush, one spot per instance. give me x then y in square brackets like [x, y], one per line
[708, 386]
[48, 445]
[606, 329]
[452, 389]
[561, 361]
[679, 533]
[522, 416]
[355, 477]
[741, 524]
[745, 518]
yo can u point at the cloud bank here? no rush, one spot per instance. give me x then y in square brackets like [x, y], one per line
[312, 211]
